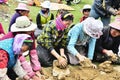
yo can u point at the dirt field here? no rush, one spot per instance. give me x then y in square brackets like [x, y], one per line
[77, 73]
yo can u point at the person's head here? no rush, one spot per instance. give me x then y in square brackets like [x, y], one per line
[3, 58]
[93, 27]
[22, 43]
[115, 28]
[86, 10]
[45, 7]
[27, 44]
[64, 21]
[3, 62]
[22, 9]
[61, 11]
[23, 24]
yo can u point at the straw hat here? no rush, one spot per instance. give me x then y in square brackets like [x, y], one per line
[23, 24]
[93, 27]
[22, 6]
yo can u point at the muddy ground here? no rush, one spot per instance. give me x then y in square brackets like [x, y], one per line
[78, 73]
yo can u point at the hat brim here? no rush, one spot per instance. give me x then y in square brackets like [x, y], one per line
[32, 27]
[22, 9]
[88, 33]
[44, 6]
[115, 25]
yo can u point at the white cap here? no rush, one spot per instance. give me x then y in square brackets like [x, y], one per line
[87, 6]
[93, 27]
[45, 4]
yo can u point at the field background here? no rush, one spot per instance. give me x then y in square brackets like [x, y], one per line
[34, 11]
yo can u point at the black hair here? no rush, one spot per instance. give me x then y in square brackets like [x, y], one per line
[86, 10]
[67, 16]
[61, 11]
[29, 44]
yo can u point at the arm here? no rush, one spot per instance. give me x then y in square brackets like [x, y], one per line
[19, 70]
[109, 8]
[38, 21]
[73, 37]
[52, 16]
[34, 60]
[91, 48]
[1, 29]
[25, 65]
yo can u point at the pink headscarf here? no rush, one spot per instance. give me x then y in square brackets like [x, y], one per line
[59, 24]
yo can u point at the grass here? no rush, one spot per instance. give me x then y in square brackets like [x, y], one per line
[34, 10]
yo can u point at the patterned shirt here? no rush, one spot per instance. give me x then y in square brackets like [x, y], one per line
[51, 37]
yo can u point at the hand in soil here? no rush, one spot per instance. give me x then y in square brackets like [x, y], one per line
[87, 64]
[106, 67]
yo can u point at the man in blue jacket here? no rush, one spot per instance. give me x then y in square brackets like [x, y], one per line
[104, 9]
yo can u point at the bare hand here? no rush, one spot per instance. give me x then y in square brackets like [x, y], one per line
[110, 53]
[62, 61]
[82, 58]
[26, 77]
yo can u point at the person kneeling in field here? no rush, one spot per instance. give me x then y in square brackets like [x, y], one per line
[82, 39]
[107, 45]
[21, 47]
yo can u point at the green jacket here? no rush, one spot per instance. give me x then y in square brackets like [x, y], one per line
[51, 38]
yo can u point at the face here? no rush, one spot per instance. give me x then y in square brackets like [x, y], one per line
[24, 13]
[115, 33]
[44, 10]
[86, 12]
[67, 23]
[3, 59]
[24, 48]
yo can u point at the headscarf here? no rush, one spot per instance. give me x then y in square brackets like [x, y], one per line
[18, 42]
[59, 24]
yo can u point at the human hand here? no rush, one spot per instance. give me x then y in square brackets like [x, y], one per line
[26, 77]
[109, 53]
[1, 35]
[87, 63]
[62, 61]
[64, 56]
[82, 58]
[118, 12]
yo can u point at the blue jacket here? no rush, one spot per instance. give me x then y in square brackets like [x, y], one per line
[7, 45]
[106, 7]
[76, 35]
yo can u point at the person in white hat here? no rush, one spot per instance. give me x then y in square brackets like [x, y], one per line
[21, 25]
[107, 45]
[43, 17]
[21, 10]
[82, 39]
[85, 11]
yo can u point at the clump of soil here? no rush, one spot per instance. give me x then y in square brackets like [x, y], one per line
[76, 73]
